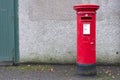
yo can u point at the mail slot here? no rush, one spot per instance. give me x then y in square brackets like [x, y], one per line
[86, 38]
[86, 18]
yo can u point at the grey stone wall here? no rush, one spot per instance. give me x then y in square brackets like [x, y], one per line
[48, 31]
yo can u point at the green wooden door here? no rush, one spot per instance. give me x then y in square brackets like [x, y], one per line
[7, 36]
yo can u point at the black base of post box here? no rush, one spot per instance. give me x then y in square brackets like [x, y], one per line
[86, 69]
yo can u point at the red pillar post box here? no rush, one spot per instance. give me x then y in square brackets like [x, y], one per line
[86, 38]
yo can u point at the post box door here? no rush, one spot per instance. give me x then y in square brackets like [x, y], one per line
[86, 42]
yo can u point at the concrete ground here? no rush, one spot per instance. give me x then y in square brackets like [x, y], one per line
[56, 72]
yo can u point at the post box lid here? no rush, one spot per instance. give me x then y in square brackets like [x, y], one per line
[86, 7]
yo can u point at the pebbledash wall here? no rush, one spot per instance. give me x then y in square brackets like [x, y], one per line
[48, 31]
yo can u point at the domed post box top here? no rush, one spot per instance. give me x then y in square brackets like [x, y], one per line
[86, 7]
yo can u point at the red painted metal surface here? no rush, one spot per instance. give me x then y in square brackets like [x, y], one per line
[86, 33]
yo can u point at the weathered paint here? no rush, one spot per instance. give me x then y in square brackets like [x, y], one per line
[16, 27]
[48, 31]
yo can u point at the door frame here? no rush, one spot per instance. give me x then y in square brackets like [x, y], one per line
[16, 33]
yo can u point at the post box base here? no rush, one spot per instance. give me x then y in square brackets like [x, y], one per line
[86, 69]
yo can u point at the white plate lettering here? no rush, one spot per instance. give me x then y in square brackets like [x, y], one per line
[86, 28]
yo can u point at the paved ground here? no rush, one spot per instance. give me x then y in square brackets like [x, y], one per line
[56, 72]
